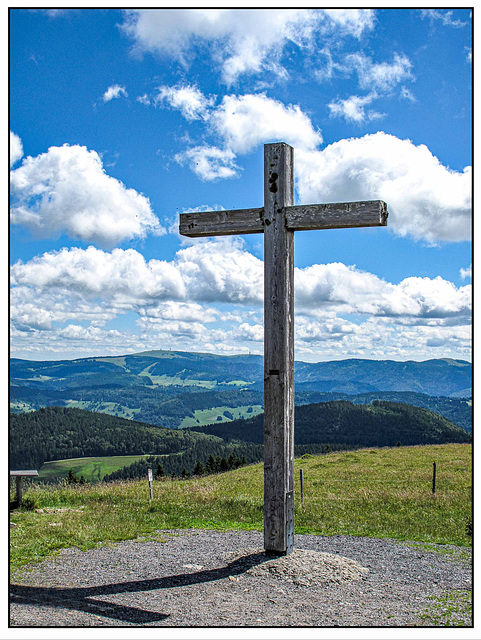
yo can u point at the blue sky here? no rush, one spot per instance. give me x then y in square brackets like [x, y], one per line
[121, 120]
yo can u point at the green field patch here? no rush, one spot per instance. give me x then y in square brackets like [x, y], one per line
[112, 408]
[167, 381]
[92, 469]
[118, 360]
[20, 405]
[204, 417]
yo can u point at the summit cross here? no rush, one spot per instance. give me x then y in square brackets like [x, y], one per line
[277, 220]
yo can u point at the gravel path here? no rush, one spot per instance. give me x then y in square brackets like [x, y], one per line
[202, 578]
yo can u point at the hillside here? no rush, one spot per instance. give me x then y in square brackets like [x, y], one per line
[443, 377]
[379, 493]
[163, 369]
[349, 425]
[177, 408]
[180, 390]
[56, 433]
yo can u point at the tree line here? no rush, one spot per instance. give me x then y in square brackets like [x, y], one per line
[379, 424]
[54, 433]
[163, 467]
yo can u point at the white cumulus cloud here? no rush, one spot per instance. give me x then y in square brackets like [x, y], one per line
[220, 271]
[352, 22]
[380, 76]
[426, 200]
[115, 91]
[209, 163]
[245, 121]
[353, 109]
[190, 101]
[345, 289]
[66, 190]
[69, 296]
[466, 273]
[16, 148]
[241, 123]
[251, 332]
[239, 41]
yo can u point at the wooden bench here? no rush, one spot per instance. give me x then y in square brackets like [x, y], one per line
[19, 475]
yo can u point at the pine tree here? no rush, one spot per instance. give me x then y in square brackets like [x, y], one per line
[72, 478]
[199, 469]
[210, 464]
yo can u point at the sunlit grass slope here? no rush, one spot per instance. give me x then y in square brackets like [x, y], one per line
[370, 492]
[93, 469]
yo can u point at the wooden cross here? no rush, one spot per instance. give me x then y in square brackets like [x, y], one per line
[277, 220]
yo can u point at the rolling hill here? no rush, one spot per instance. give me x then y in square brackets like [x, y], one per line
[56, 433]
[164, 369]
[178, 390]
[380, 424]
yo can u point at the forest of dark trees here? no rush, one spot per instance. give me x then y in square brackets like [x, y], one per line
[169, 466]
[56, 433]
[380, 424]
[168, 406]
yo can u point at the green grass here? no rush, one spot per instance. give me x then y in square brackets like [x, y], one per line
[93, 469]
[20, 405]
[166, 381]
[371, 492]
[203, 417]
[452, 609]
[113, 408]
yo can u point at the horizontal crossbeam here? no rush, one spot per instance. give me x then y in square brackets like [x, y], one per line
[222, 223]
[335, 215]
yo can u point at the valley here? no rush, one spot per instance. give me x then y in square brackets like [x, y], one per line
[180, 389]
[102, 416]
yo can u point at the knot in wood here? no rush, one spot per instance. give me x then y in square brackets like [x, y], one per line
[273, 182]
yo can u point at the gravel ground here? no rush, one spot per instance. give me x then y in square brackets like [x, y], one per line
[202, 578]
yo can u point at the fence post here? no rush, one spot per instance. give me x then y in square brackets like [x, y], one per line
[149, 471]
[302, 486]
[19, 490]
[434, 478]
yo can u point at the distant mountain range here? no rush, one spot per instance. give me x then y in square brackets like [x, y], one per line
[181, 390]
[162, 369]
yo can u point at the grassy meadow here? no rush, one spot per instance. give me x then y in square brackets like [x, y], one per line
[203, 417]
[371, 492]
[92, 469]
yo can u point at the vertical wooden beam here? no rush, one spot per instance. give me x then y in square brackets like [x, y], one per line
[278, 350]
[19, 491]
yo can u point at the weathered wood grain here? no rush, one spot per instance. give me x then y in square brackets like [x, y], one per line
[334, 215]
[222, 223]
[337, 215]
[278, 350]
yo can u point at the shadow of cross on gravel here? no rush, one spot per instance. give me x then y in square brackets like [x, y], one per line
[86, 599]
